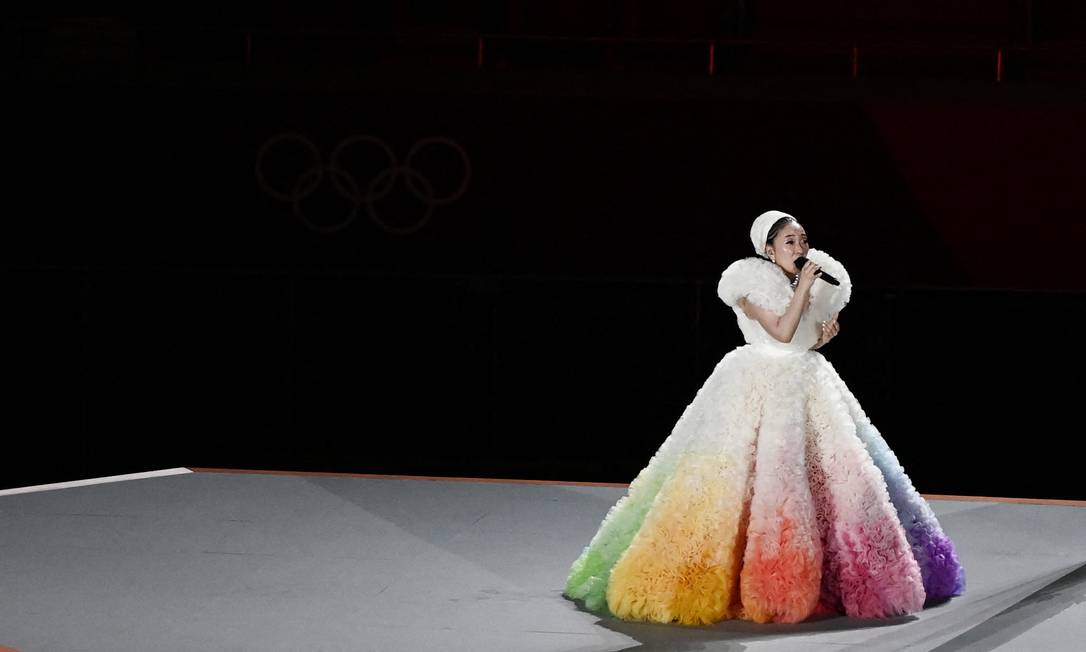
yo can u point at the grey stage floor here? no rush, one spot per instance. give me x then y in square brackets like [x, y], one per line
[210, 561]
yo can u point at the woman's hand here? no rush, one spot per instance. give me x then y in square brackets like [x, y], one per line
[829, 330]
[807, 275]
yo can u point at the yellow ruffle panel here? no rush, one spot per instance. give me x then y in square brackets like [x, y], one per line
[683, 565]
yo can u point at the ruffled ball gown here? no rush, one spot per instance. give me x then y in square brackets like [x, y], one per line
[774, 498]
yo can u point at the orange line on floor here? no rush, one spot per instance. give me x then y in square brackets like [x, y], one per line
[379, 476]
[437, 478]
[1024, 501]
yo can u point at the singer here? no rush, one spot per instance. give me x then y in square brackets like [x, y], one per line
[774, 498]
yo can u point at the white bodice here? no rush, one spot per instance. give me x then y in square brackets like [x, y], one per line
[764, 284]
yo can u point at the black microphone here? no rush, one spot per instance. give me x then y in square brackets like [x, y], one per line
[801, 261]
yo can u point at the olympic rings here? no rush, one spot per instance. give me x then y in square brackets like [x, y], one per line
[360, 192]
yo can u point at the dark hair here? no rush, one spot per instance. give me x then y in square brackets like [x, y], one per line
[777, 226]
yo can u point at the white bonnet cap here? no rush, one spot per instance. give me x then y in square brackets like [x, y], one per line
[759, 231]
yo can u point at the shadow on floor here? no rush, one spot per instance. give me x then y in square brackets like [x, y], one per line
[729, 635]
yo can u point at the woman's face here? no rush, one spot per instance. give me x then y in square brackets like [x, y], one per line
[790, 244]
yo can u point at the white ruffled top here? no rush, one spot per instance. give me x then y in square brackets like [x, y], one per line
[764, 284]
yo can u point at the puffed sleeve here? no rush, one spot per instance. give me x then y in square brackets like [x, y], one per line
[828, 299]
[759, 281]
